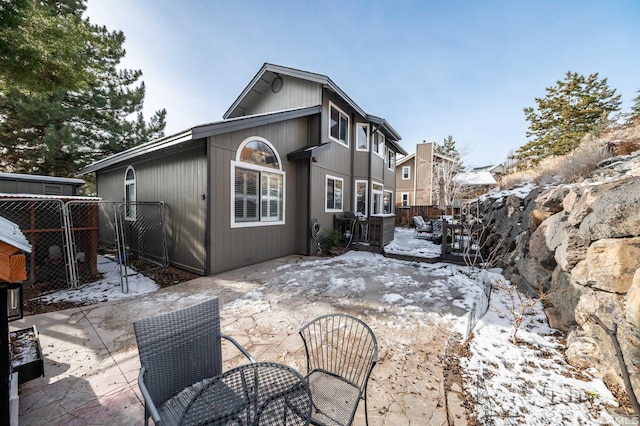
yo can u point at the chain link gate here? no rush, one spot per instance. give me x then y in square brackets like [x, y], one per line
[126, 244]
[82, 241]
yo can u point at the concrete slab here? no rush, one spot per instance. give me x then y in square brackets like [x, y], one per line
[91, 359]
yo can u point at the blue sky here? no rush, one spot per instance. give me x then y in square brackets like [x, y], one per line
[431, 68]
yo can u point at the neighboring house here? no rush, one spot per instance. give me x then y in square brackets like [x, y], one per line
[417, 176]
[496, 170]
[16, 183]
[291, 150]
[475, 183]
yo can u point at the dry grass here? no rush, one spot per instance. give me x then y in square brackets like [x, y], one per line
[574, 166]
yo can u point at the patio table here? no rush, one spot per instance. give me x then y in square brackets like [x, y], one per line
[260, 393]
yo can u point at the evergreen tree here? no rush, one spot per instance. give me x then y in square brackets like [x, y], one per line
[44, 45]
[635, 108]
[447, 148]
[58, 127]
[571, 109]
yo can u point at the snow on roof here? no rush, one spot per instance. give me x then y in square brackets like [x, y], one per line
[475, 178]
[11, 234]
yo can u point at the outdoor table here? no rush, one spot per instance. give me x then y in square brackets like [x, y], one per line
[260, 393]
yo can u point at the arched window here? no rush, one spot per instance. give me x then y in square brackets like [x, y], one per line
[130, 194]
[258, 185]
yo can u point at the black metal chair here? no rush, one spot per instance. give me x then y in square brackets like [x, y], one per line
[341, 352]
[177, 350]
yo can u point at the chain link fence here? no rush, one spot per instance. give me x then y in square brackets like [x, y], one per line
[82, 241]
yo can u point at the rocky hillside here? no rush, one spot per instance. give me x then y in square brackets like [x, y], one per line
[581, 243]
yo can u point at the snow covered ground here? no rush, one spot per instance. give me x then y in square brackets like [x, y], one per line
[525, 384]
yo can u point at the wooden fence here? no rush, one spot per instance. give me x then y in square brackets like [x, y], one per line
[404, 214]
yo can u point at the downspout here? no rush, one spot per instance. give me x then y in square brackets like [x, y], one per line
[352, 183]
[207, 211]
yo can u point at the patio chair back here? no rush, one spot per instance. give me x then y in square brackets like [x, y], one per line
[417, 222]
[179, 348]
[338, 346]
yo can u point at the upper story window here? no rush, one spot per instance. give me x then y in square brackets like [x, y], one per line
[338, 125]
[391, 159]
[362, 137]
[406, 173]
[130, 194]
[378, 144]
[334, 194]
[258, 185]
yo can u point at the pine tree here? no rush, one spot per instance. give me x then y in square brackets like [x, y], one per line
[635, 108]
[43, 45]
[571, 109]
[56, 130]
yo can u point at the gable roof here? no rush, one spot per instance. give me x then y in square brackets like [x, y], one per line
[200, 132]
[259, 84]
[405, 159]
[475, 178]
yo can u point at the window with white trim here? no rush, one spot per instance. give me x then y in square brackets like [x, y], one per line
[378, 144]
[130, 194]
[391, 159]
[258, 185]
[362, 137]
[362, 197]
[387, 204]
[405, 199]
[334, 187]
[338, 125]
[377, 195]
[406, 173]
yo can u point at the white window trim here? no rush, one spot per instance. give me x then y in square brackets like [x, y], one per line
[346, 143]
[402, 200]
[241, 164]
[408, 169]
[391, 162]
[366, 195]
[366, 126]
[130, 211]
[381, 152]
[326, 189]
[379, 192]
[391, 201]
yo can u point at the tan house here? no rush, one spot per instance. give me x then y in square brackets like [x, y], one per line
[418, 175]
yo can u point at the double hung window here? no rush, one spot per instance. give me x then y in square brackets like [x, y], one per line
[334, 194]
[258, 185]
[338, 125]
[362, 137]
[362, 197]
[405, 173]
[378, 144]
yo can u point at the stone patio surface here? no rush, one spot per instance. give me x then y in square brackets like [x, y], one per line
[91, 359]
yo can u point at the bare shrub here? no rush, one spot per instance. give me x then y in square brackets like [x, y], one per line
[582, 161]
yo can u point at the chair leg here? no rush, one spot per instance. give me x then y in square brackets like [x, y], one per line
[366, 410]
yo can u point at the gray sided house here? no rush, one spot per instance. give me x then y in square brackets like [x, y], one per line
[291, 149]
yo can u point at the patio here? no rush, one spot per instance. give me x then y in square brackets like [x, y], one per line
[91, 359]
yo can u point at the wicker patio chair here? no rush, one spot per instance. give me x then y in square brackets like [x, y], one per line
[341, 352]
[177, 350]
